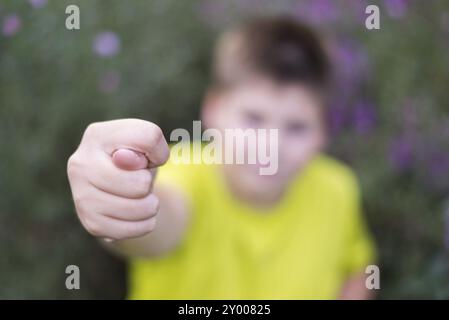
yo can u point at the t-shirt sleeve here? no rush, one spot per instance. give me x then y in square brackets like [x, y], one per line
[180, 176]
[175, 176]
[360, 248]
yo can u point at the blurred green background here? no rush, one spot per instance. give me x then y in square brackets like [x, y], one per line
[150, 59]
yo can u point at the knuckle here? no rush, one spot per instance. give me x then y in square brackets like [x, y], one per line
[84, 208]
[153, 204]
[92, 227]
[81, 205]
[91, 128]
[127, 230]
[73, 163]
[146, 208]
[141, 184]
[147, 226]
[151, 133]
[166, 155]
[139, 229]
[151, 224]
[156, 134]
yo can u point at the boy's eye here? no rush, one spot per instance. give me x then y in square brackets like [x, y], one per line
[253, 118]
[296, 128]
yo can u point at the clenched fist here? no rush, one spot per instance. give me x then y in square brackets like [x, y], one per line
[111, 176]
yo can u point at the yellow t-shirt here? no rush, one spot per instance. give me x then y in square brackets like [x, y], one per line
[303, 248]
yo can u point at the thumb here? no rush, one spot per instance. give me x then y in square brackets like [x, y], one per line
[129, 160]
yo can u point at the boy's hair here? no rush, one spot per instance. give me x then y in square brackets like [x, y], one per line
[278, 48]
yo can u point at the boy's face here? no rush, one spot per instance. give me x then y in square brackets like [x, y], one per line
[294, 110]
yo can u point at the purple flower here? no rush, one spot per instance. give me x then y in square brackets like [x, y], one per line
[337, 118]
[435, 164]
[401, 153]
[396, 8]
[106, 44]
[351, 62]
[409, 114]
[318, 11]
[439, 165]
[109, 81]
[37, 3]
[11, 25]
[358, 8]
[364, 117]
[352, 56]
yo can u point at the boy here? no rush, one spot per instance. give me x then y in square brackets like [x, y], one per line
[226, 231]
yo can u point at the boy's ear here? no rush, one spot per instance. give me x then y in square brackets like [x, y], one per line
[209, 109]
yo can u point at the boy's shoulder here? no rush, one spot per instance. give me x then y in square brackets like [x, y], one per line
[329, 172]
